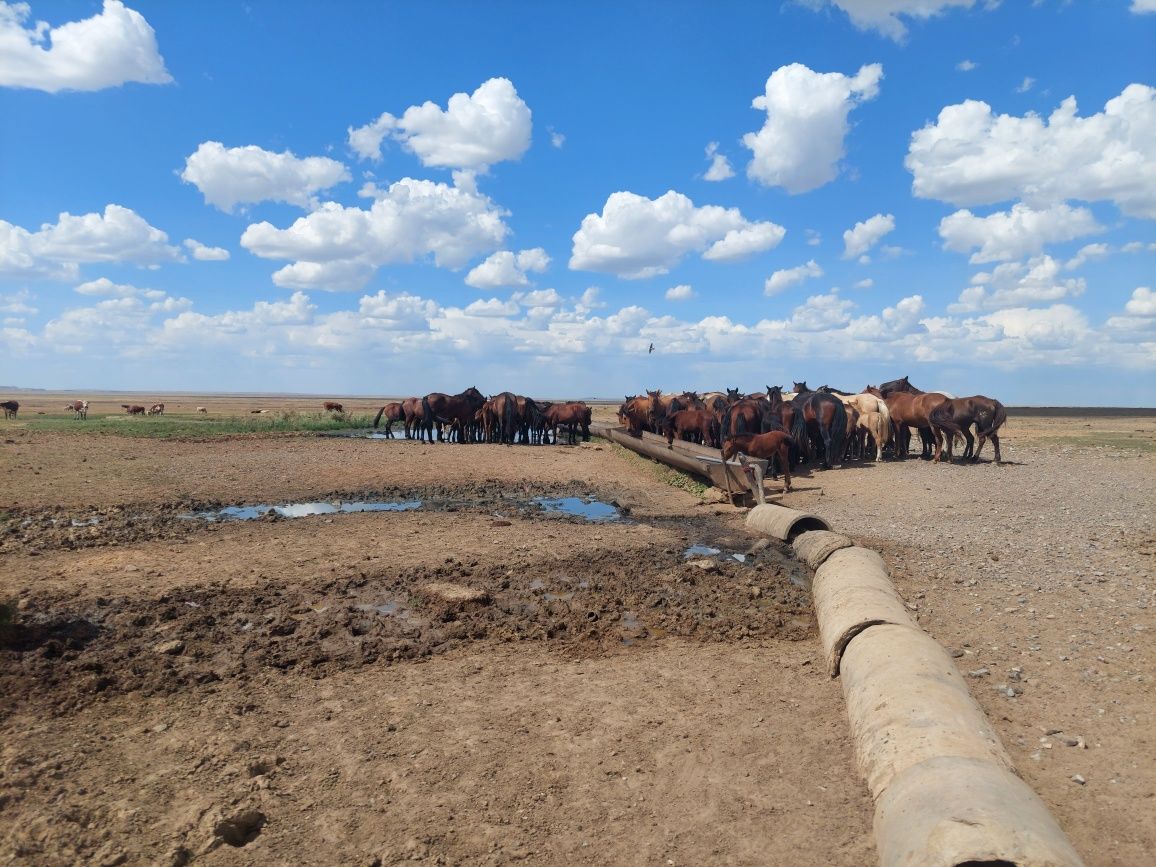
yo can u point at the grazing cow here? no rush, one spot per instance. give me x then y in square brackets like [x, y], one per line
[203, 409]
[334, 406]
[79, 409]
[156, 409]
[133, 409]
[10, 407]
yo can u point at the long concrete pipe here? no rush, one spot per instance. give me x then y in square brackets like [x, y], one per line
[946, 793]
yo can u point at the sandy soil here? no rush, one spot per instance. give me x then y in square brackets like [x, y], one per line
[325, 690]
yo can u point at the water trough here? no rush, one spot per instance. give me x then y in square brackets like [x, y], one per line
[741, 476]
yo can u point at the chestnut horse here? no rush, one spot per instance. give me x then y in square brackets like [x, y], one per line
[572, 416]
[911, 408]
[634, 414]
[334, 406]
[411, 407]
[392, 412]
[770, 446]
[956, 416]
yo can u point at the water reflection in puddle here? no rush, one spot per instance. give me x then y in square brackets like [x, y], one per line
[388, 608]
[700, 551]
[591, 510]
[301, 510]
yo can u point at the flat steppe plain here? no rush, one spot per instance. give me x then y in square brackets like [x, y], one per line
[319, 690]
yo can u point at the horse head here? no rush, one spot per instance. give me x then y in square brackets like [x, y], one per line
[800, 387]
[733, 395]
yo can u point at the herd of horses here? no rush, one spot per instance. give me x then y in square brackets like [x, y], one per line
[471, 417]
[829, 424]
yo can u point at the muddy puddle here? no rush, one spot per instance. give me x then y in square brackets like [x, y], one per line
[78, 651]
[44, 529]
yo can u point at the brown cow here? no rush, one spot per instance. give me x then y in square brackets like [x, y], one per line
[10, 407]
[133, 409]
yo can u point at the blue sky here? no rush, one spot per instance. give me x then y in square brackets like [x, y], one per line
[393, 198]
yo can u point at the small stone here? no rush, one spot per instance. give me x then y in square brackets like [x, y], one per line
[1068, 741]
[956, 653]
[979, 672]
[1076, 778]
[170, 648]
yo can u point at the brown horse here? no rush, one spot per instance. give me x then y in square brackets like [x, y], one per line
[912, 408]
[693, 425]
[820, 423]
[411, 408]
[571, 416]
[770, 446]
[391, 412]
[456, 410]
[10, 407]
[334, 406]
[634, 414]
[134, 409]
[956, 416]
[500, 415]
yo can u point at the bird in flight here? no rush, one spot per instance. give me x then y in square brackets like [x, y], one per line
[650, 350]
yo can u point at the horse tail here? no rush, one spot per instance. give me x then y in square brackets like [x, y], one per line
[839, 434]
[377, 417]
[999, 418]
[941, 417]
[508, 421]
[799, 434]
[427, 418]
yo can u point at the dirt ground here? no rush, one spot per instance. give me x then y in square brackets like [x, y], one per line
[482, 680]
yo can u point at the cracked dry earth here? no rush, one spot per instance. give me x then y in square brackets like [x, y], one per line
[480, 680]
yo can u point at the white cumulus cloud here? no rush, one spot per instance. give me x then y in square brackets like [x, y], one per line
[1013, 234]
[1143, 7]
[339, 248]
[802, 141]
[971, 156]
[203, 253]
[474, 131]
[784, 278]
[228, 177]
[886, 16]
[1142, 302]
[119, 235]
[866, 234]
[720, 167]
[636, 237]
[506, 268]
[1015, 284]
[115, 46]
[681, 292]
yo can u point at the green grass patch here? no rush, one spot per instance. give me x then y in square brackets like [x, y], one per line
[199, 426]
[668, 475]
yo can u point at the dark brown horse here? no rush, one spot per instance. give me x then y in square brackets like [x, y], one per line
[770, 446]
[456, 410]
[692, 425]
[820, 423]
[334, 406]
[10, 407]
[955, 416]
[133, 409]
[501, 417]
[391, 412]
[912, 408]
[411, 409]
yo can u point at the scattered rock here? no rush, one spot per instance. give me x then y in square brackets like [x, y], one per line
[1076, 778]
[170, 648]
[240, 828]
[979, 672]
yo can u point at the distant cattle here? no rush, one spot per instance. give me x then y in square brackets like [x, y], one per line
[203, 409]
[79, 409]
[333, 406]
[10, 407]
[156, 409]
[133, 409]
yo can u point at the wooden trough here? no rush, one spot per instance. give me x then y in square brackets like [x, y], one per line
[739, 476]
